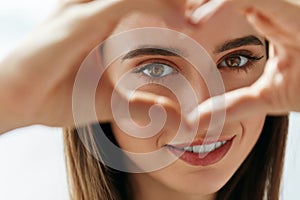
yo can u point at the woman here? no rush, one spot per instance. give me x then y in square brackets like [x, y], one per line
[240, 57]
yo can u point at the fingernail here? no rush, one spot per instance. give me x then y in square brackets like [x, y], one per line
[251, 14]
[205, 10]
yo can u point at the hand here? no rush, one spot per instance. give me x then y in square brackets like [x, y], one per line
[36, 79]
[277, 90]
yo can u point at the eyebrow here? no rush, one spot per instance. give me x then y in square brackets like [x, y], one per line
[150, 51]
[162, 51]
[235, 43]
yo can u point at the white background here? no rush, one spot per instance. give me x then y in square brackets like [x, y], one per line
[31, 159]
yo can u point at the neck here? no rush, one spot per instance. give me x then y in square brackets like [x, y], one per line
[146, 188]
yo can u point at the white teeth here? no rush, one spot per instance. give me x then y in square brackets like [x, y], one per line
[198, 148]
[204, 148]
[218, 144]
[188, 148]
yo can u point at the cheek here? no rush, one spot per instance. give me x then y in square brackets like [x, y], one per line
[244, 142]
[237, 79]
[243, 145]
[252, 129]
[131, 143]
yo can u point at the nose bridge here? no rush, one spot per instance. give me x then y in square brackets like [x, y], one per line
[202, 93]
[204, 86]
[196, 87]
[200, 87]
[194, 94]
[207, 85]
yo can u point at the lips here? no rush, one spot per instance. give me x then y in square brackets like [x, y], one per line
[201, 154]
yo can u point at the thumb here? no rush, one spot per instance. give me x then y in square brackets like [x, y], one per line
[239, 104]
[145, 114]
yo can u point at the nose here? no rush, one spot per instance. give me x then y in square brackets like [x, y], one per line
[191, 89]
[204, 81]
[200, 86]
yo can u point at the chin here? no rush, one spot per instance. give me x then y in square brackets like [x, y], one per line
[195, 183]
[201, 186]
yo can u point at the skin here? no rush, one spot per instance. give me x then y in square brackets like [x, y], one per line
[25, 103]
[70, 22]
[181, 180]
[275, 91]
[77, 30]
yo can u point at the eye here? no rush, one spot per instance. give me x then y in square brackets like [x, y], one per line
[156, 70]
[236, 61]
[242, 59]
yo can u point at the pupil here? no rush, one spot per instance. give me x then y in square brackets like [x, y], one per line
[233, 62]
[157, 70]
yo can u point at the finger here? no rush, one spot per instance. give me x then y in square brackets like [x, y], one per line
[192, 5]
[272, 29]
[171, 11]
[206, 10]
[69, 2]
[142, 103]
[63, 4]
[280, 13]
[109, 13]
[238, 105]
[149, 111]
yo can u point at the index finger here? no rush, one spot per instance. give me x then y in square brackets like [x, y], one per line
[277, 9]
[239, 104]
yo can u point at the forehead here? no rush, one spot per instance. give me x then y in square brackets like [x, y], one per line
[226, 25]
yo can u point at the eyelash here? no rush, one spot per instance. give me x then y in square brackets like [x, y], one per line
[140, 68]
[251, 59]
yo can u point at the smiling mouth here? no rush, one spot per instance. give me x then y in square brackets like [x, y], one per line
[201, 154]
[206, 148]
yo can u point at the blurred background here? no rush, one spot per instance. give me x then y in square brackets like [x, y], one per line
[31, 159]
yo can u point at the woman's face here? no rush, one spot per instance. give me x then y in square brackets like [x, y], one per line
[239, 53]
